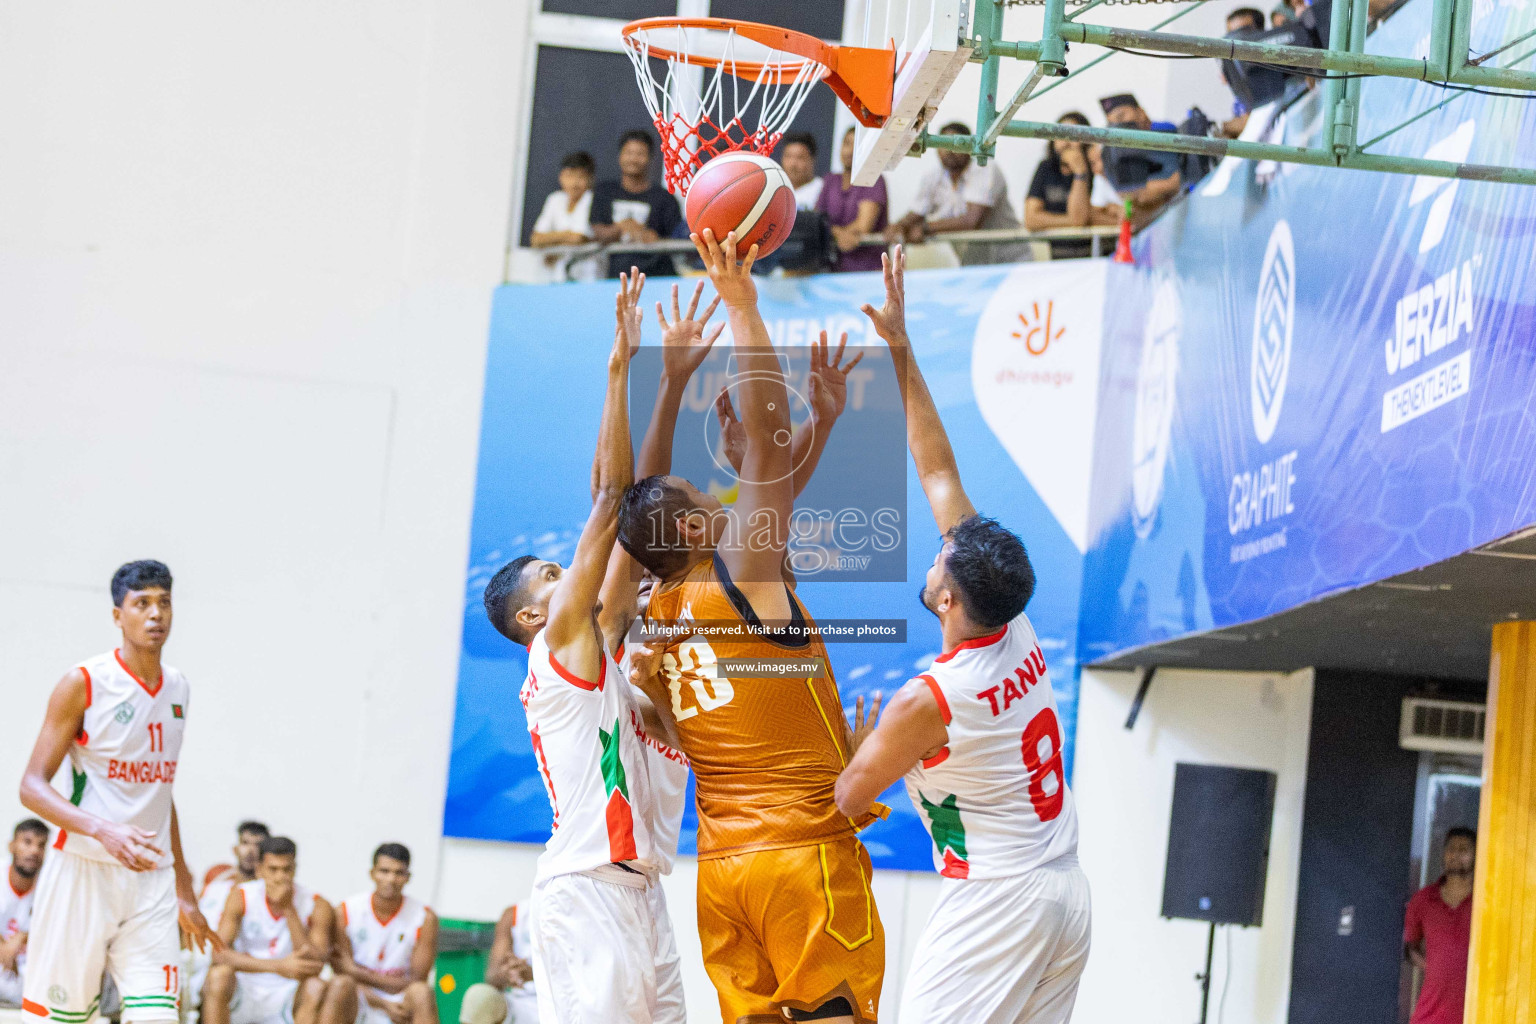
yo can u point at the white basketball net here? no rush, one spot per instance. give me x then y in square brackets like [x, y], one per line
[702, 112]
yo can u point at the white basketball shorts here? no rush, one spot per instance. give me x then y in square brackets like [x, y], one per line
[92, 916]
[10, 988]
[262, 999]
[1002, 949]
[604, 951]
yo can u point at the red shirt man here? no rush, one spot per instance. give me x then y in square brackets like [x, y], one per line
[1437, 933]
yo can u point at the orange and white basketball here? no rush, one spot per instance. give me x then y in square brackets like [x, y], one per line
[745, 193]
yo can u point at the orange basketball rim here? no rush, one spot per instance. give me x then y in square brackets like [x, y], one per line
[751, 81]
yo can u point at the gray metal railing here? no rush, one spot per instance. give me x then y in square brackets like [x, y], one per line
[1101, 239]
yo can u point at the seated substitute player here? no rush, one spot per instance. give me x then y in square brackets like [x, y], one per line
[977, 739]
[110, 897]
[595, 933]
[786, 919]
[247, 848]
[507, 995]
[386, 944]
[278, 935]
[29, 841]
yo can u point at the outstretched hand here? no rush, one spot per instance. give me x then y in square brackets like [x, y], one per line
[627, 316]
[685, 342]
[890, 321]
[829, 379]
[733, 436]
[731, 279]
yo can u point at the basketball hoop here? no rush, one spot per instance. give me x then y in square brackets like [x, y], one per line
[751, 81]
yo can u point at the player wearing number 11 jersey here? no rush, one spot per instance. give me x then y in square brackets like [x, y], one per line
[978, 741]
[110, 895]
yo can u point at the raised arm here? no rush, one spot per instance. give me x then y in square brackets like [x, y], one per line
[926, 439]
[755, 554]
[829, 396]
[133, 847]
[569, 629]
[685, 344]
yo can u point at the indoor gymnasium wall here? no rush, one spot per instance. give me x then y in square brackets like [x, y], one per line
[1143, 966]
[247, 254]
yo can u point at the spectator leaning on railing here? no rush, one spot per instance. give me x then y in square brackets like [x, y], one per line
[634, 209]
[961, 195]
[853, 211]
[1244, 19]
[797, 155]
[1149, 178]
[566, 217]
[1061, 194]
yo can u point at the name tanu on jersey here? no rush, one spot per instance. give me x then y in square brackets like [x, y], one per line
[995, 798]
[124, 759]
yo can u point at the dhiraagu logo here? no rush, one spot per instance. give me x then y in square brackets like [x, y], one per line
[1152, 431]
[1274, 317]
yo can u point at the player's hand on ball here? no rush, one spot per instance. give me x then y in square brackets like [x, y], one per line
[829, 379]
[890, 320]
[731, 279]
[132, 847]
[195, 927]
[685, 342]
[733, 436]
[864, 725]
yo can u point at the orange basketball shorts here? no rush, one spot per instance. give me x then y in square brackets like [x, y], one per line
[793, 928]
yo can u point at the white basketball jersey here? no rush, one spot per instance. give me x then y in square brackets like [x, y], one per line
[15, 912]
[215, 895]
[995, 799]
[124, 759]
[264, 933]
[668, 769]
[384, 946]
[592, 763]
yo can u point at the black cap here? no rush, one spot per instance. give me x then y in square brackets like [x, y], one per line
[1123, 99]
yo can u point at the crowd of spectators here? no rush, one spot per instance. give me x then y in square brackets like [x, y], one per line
[1076, 185]
[839, 224]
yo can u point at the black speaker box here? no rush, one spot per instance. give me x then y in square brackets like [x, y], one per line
[1218, 844]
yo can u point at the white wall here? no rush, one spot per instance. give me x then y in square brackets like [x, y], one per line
[1142, 966]
[246, 260]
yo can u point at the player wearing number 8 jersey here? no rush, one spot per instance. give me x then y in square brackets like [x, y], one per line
[109, 897]
[978, 740]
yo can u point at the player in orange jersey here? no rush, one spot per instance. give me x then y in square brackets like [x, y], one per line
[786, 918]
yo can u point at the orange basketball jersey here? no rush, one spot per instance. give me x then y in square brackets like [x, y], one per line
[766, 752]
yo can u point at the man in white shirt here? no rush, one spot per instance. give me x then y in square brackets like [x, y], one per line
[961, 195]
[797, 155]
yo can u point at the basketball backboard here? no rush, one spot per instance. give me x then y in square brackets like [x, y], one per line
[931, 43]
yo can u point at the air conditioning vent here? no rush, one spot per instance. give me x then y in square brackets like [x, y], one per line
[1442, 726]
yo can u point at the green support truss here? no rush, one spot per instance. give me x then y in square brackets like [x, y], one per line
[1446, 63]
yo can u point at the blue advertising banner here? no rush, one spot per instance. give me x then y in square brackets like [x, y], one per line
[1315, 379]
[1011, 355]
